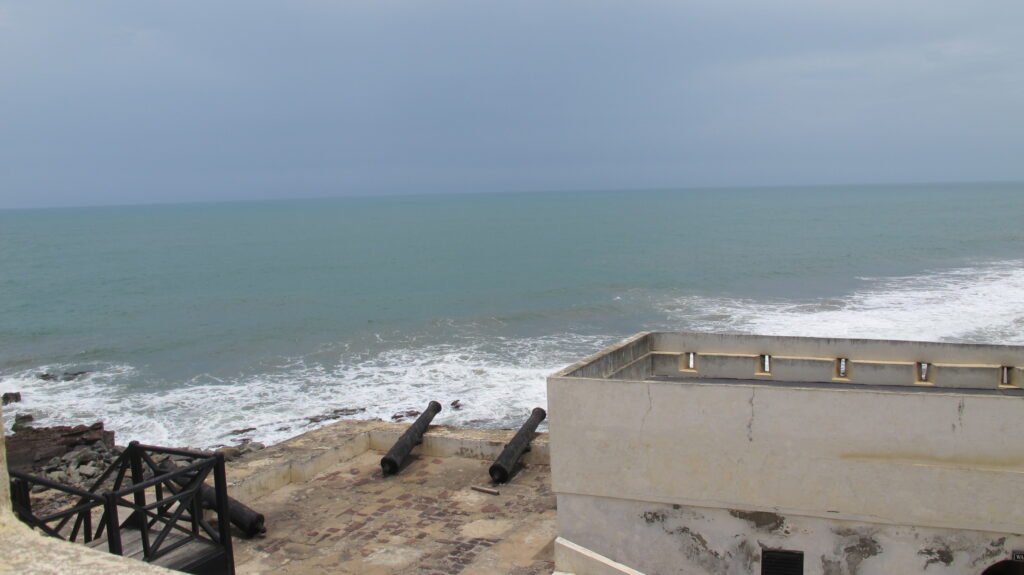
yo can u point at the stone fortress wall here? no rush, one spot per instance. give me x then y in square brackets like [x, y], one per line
[707, 453]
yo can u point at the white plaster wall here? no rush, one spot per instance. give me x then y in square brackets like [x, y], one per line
[655, 538]
[901, 457]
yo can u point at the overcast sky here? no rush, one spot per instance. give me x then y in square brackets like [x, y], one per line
[160, 101]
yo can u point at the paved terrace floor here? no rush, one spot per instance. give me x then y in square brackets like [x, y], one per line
[337, 513]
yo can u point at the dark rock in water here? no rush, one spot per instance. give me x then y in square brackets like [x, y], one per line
[72, 376]
[66, 376]
[403, 414]
[28, 448]
[11, 397]
[22, 421]
[336, 414]
[241, 431]
[457, 404]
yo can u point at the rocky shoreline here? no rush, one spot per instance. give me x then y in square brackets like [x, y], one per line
[77, 456]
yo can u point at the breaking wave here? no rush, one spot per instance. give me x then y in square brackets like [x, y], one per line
[979, 304]
[497, 382]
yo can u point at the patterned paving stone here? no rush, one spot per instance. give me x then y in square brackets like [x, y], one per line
[426, 519]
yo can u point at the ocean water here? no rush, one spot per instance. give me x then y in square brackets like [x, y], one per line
[196, 320]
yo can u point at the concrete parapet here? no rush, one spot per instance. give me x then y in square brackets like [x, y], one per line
[687, 356]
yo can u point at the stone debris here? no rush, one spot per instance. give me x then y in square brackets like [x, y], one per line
[245, 446]
[11, 397]
[336, 414]
[403, 414]
[28, 448]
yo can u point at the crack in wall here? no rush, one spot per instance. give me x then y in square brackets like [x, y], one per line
[650, 407]
[750, 423]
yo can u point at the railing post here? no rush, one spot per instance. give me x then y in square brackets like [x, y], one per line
[138, 517]
[113, 526]
[220, 485]
[20, 496]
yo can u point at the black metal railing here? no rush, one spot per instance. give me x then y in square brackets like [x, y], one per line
[164, 504]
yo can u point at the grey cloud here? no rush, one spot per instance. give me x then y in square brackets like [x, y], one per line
[123, 102]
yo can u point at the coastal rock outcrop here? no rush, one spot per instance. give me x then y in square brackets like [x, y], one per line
[29, 448]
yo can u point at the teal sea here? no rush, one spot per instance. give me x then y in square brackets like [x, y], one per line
[197, 319]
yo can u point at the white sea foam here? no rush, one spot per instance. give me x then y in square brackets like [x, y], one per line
[498, 381]
[983, 304]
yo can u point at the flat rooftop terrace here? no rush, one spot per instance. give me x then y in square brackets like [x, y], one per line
[740, 359]
[329, 509]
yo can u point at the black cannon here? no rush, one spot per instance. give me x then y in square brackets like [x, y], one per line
[250, 522]
[412, 437]
[520, 444]
[245, 518]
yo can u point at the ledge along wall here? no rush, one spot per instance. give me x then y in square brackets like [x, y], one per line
[666, 462]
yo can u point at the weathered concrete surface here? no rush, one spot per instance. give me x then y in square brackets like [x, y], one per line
[676, 539]
[329, 509]
[915, 476]
[427, 519]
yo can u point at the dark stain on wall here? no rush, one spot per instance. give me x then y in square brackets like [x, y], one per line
[761, 519]
[997, 548]
[852, 547]
[938, 554]
[831, 566]
[693, 545]
[863, 548]
[653, 517]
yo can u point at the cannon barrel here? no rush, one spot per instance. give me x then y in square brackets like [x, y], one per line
[502, 468]
[241, 515]
[412, 437]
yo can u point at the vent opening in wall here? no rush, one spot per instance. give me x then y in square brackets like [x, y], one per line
[764, 364]
[778, 562]
[688, 361]
[1006, 377]
[923, 373]
[842, 368]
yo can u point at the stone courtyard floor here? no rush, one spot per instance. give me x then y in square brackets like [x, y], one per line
[426, 519]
